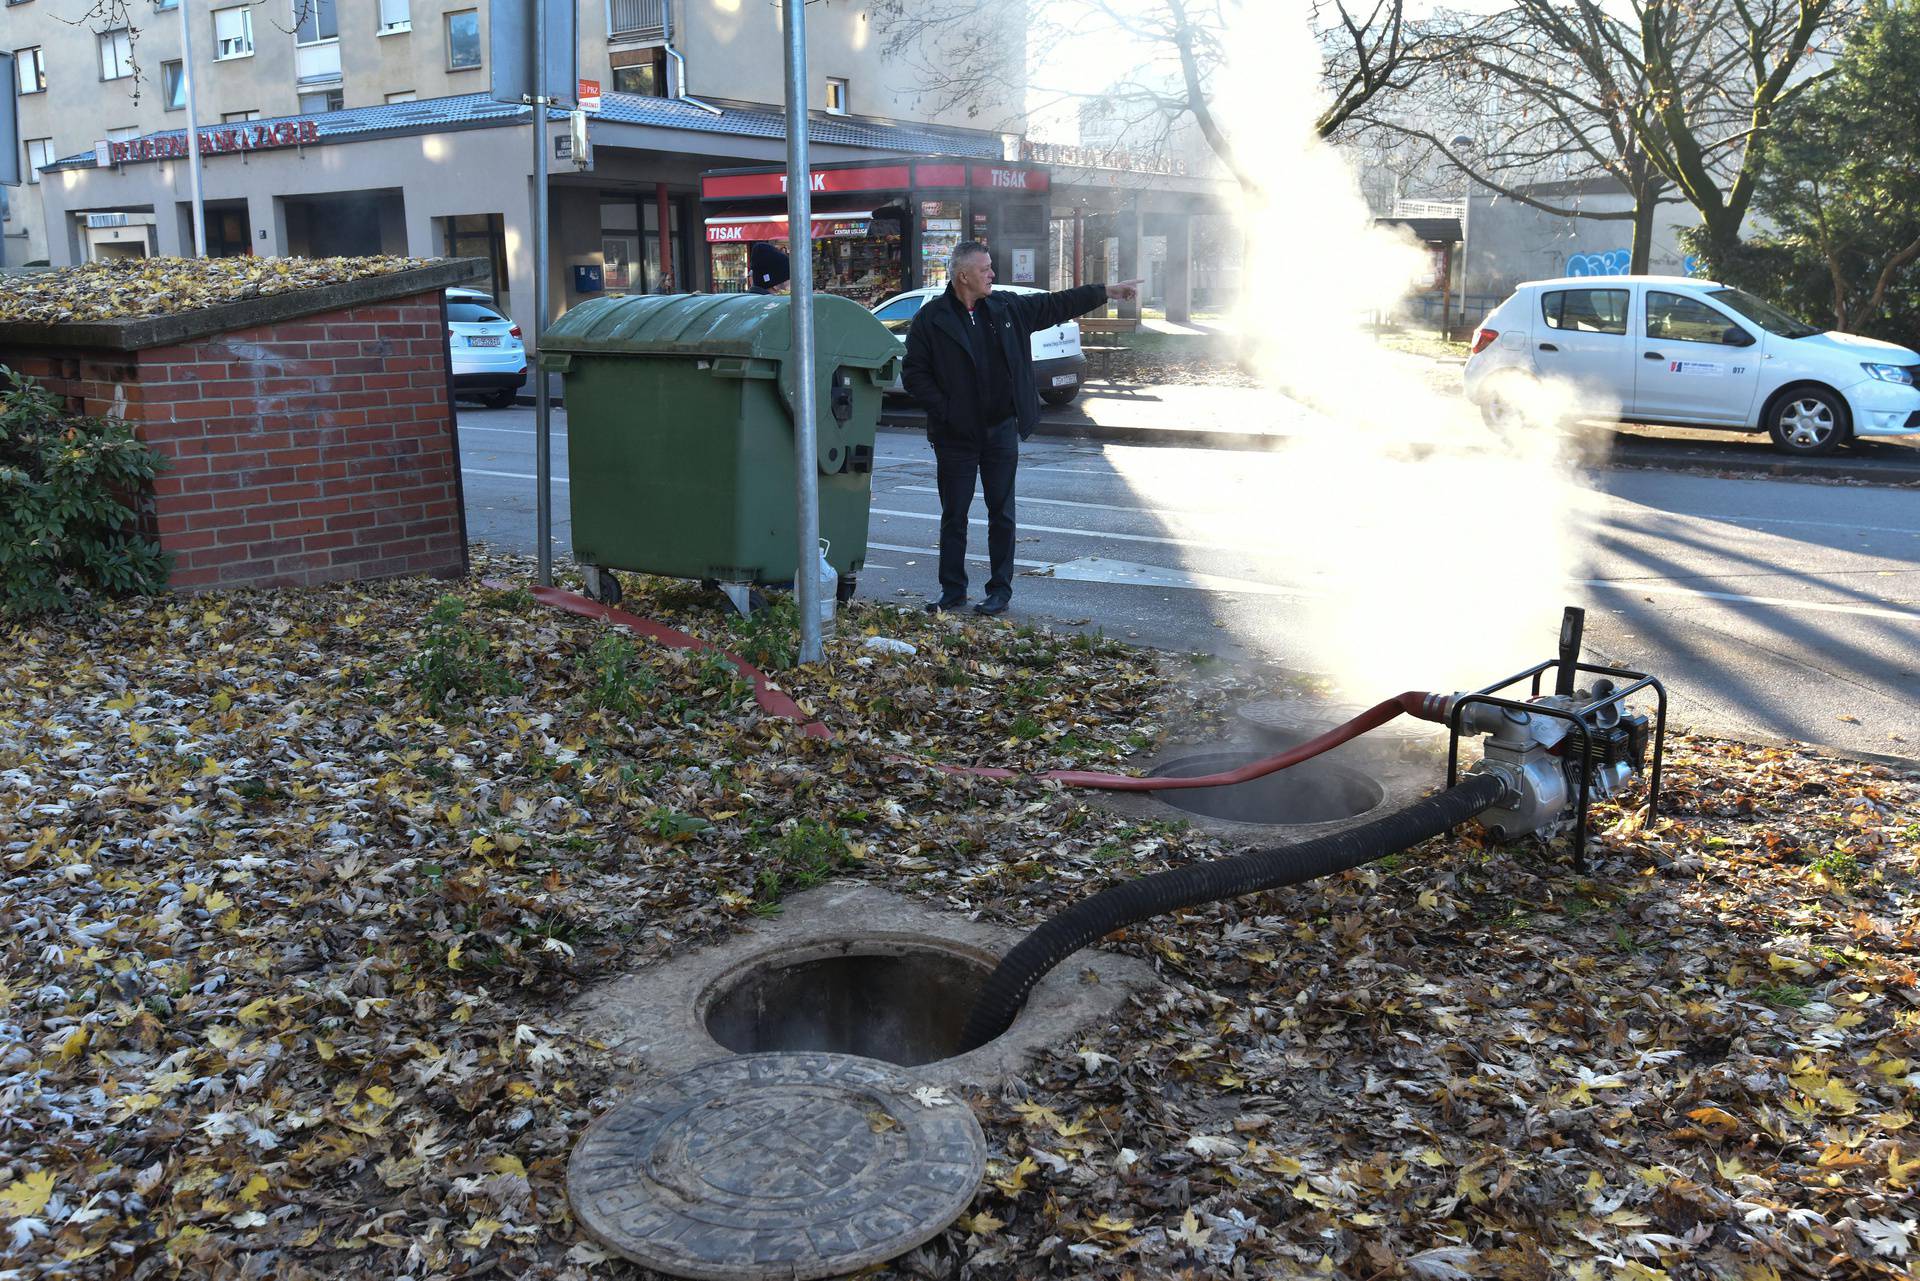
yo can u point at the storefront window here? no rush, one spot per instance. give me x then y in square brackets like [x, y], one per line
[940, 227]
[620, 243]
[481, 236]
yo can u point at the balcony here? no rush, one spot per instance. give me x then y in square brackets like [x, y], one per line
[637, 19]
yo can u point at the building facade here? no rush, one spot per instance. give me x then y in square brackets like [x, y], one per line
[367, 126]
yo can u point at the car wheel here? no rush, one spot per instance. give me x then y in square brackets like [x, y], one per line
[1807, 421]
[502, 399]
[1058, 396]
[1500, 411]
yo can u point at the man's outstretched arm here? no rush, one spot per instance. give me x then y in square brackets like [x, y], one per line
[1043, 311]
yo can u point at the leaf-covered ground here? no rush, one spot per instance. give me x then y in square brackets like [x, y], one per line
[126, 288]
[296, 885]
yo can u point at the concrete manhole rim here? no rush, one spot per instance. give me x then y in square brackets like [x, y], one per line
[1221, 759]
[639, 1177]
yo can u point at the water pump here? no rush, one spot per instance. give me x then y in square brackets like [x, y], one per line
[1555, 752]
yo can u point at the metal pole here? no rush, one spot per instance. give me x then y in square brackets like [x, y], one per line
[542, 411]
[806, 467]
[193, 137]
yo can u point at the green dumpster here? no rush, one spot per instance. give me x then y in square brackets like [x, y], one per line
[680, 425]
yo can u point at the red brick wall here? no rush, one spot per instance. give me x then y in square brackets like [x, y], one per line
[310, 451]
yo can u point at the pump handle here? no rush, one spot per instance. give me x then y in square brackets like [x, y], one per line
[1572, 623]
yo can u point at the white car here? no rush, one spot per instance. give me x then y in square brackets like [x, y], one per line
[489, 359]
[1692, 353]
[1059, 367]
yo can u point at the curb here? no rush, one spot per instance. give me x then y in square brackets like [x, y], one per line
[1635, 453]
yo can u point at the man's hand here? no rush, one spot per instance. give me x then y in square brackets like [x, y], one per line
[1125, 291]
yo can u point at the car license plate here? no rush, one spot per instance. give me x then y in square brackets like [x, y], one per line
[483, 342]
[1065, 380]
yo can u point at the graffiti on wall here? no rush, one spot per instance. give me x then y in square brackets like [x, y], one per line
[1615, 262]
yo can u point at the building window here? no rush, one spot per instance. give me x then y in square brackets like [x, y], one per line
[233, 33]
[836, 97]
[39, 154]
[404, 96]
[395, 15]
[463, 40]
[320, 100]
[125, 133]
[238, 117]
[173, 86]
[116, 55]
[31, 63]
[641, 71]
[481, 236]
[166, 6]
[318, 21]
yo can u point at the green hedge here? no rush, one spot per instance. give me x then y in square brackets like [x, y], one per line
[65, 526]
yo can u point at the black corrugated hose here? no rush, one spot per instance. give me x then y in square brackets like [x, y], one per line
[1054, 940]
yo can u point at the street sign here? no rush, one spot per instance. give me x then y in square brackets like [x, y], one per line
[9, 123]
[511, 46]
[589, 98]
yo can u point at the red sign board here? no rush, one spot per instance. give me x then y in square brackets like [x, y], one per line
[941, 175]
[589, 95]
[288, 133]
[748, 185]
[728, 233]
[1009, 178]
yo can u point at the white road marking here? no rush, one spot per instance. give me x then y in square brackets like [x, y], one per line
[1096, 533]
[1774, 602]
[935, 553]
[514, 431]
[510, 475]
[1095, 569]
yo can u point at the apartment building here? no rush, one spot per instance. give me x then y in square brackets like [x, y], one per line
[362, 126]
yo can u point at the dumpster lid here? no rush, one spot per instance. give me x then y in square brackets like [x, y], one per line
[749, 326]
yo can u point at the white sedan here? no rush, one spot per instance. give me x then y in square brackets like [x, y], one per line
[489, 358]
[1059, 366]
[1690, 353]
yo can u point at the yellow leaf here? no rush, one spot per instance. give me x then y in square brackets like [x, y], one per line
[1714, 1117]
[1107, 1223]
[1790, 965]
[25, 1198]
[255, 1186]
[1015, 1180]
[453, 956]
[507, 1163]
[981, 1224]
[223, 1036]
[1901, 1173]
[218, 901]
[382, 1097]
[75, 1043]
[255, 1011]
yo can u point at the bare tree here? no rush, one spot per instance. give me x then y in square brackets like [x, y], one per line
[1667, 100]
[969, 51]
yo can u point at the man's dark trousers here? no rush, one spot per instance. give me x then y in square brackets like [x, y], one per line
[993, 459]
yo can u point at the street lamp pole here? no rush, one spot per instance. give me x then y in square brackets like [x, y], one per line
[806, 464]
[193, 133]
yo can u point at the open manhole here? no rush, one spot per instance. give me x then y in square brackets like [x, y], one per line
[776, 1166]
[888, 999]
[1314, 792]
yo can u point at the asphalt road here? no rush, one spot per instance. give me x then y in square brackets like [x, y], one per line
[1772, 609]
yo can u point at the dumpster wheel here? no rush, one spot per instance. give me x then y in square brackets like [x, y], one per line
[844, 588]
[602, 585]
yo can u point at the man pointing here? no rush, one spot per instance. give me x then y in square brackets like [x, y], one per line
[969, 365]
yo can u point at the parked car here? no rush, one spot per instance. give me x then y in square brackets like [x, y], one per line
[1058, 365]
[1692, 353]
[489, 360]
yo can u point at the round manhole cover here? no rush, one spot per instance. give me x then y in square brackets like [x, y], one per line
[776, 1165]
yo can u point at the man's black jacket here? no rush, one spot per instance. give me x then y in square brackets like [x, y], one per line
[942, 375]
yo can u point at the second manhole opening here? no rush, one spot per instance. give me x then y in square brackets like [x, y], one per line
[902, 1002]
[1308, 793]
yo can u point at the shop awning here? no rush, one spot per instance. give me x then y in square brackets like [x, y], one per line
[830, 225]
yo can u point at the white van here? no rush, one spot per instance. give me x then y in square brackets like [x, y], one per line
[1692, 353]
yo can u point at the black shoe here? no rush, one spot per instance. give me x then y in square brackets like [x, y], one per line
[995, 604]
[945, 603]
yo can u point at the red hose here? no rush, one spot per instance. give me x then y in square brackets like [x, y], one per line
[776, 702]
